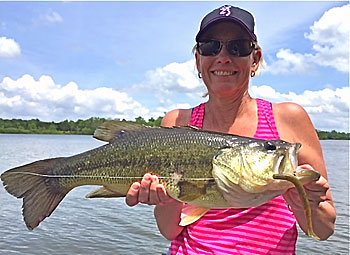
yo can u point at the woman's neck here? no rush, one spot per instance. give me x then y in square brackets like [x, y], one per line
[221, 113]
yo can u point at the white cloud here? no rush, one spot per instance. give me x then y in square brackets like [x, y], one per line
[47, 18]
[27, 98]
[330, 38]
[328, 108]
[289, 62]
[9, 48]
[51, 17]
[171, 80]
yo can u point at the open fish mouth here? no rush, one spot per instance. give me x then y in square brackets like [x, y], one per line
[287, 160]
[278, 168]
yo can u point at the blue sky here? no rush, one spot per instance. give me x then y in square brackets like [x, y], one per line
[71, 60]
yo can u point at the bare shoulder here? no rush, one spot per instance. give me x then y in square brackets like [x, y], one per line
[177, 117]
[289, 110]
[292, 121]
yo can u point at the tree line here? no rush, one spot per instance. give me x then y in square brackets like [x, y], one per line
[88, 126]
[333, 135]
[79, 127]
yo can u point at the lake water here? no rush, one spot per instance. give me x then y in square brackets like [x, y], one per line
[108, 226]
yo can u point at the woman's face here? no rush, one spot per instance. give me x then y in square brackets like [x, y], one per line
[225, 74]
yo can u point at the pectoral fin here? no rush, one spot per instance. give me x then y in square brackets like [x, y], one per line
[191, 213]
[103, 193]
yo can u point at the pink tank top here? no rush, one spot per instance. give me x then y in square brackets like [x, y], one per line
[267, 229]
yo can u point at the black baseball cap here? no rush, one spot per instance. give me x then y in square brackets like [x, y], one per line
[230, 13]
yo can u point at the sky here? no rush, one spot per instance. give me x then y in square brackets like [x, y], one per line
[118, 59]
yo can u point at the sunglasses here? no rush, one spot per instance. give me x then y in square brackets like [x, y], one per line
[237, 48]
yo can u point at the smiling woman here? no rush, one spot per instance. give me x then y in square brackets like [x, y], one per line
[227, 57]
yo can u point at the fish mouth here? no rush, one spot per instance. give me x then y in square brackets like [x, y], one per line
[287, 159]
[278, 168]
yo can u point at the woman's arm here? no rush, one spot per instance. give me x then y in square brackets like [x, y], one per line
[294, 125]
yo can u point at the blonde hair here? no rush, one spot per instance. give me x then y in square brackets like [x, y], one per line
[262, 63]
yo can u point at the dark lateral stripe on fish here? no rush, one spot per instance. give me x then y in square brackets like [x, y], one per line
[106, 177]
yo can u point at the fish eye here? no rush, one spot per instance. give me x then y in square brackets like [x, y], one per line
[270, 146]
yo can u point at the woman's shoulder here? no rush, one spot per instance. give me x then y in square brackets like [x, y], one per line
[289, 111]
[292, 121]
[177, 117]
[289, 108]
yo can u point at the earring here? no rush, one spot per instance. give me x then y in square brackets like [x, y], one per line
[252, 74]
[199, 75]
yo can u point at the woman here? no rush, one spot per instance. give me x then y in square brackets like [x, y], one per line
[227, 56]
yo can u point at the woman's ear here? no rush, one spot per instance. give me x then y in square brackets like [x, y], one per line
[256, 60]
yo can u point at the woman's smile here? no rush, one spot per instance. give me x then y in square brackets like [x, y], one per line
[223, 73]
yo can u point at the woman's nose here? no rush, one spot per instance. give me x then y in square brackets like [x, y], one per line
[224, 56]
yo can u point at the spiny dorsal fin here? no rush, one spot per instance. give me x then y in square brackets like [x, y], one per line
[110, 129]
[188, 127]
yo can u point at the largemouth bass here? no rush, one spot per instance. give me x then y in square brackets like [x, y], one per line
[205, 169]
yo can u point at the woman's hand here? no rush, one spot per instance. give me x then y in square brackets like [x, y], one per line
[149, 191]
[316, 192]
[323, 213]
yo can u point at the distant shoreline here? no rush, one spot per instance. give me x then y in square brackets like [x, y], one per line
[88, 126]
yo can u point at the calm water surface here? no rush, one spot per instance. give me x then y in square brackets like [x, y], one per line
[108, 226]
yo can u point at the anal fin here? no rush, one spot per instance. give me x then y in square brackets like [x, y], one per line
[103, 193]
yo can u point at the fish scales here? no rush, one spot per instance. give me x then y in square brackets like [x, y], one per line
[162, 151]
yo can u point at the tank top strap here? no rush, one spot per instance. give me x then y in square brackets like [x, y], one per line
[266, 128]
[197, 116]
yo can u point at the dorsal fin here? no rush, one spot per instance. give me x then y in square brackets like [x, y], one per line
[188, 127]
[110, 129]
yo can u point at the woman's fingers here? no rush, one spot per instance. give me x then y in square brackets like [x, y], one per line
[153, 195]
[148, 191]
[316, 192]
[132, 197]
[162, 195]
[145, 188]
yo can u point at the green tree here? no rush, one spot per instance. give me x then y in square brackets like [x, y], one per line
[140, 120]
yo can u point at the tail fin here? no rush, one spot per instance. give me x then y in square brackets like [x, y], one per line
[32, 183]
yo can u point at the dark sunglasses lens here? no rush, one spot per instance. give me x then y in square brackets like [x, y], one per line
[240, 48]
[210, 48]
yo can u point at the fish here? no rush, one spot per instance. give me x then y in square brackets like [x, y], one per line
[203, 169]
